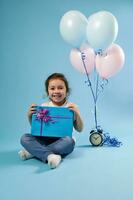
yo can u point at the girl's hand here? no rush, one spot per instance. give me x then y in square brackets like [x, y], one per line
[31, 110]
[74, 108]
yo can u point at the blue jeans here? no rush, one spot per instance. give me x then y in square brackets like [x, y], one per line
[41, 147]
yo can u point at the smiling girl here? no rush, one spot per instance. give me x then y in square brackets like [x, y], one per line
[51, 149]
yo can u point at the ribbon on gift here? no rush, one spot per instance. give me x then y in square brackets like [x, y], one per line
[44, 117]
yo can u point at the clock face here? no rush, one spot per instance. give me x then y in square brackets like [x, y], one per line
[96, 139]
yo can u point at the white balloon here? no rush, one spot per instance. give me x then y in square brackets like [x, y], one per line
[73, 27]
[102, 29]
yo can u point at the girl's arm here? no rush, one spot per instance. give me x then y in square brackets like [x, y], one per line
[78, 122]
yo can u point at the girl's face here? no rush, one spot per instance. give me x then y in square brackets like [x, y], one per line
[57, 91]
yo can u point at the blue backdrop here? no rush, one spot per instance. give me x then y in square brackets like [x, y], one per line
[31, 48]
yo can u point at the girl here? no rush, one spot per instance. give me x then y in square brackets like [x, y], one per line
[51, 149]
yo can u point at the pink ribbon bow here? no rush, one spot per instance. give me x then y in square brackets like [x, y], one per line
[43, 116]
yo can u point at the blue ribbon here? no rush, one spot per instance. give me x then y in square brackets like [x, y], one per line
[107, 140]
[114, 142]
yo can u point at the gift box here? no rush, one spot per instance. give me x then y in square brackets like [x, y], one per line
[52, 122]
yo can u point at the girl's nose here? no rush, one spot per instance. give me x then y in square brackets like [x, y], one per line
[56, 90]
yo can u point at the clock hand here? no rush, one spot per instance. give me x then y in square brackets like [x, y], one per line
[96, 138]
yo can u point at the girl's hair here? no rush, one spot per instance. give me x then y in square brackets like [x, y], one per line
[57, 76]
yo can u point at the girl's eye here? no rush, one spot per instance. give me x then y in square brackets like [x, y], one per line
[59, 88]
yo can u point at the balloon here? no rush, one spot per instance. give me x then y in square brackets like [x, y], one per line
[76, 59]
[110, 62]
[102, 30]
[73, 27]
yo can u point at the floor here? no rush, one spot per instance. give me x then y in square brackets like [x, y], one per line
[88, 173]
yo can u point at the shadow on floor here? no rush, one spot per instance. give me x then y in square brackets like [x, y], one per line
[10, 158]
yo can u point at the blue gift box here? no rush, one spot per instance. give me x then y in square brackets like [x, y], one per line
[52, 122]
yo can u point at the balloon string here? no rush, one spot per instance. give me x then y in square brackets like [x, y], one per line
[101, 87]
[90, 85]
[83, 57]
[97, 84]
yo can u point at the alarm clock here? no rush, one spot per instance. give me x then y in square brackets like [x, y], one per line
[96, 137]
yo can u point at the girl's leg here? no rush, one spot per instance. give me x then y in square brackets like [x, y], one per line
[48, 149]
[62, 146]
[36, 146]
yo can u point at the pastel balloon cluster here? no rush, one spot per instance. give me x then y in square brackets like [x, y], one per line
[94, 38]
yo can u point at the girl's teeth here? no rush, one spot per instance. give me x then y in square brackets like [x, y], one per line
[56, 95]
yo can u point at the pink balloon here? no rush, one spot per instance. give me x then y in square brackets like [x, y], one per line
[76, 59]
[110, 62]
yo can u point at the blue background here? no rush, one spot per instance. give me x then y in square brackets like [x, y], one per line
[31, 48]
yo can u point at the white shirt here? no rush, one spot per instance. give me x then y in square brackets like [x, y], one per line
[50, 103]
